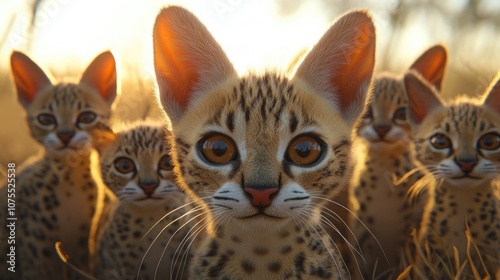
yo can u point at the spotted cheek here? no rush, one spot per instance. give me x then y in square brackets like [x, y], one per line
[201, 181]
[231, 197]
[114, 180]
[291, 201]
[130, 191]
[166, 187]
[486, 168]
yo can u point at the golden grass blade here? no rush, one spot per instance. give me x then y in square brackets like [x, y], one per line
[405, 273]
[471, 243]
[65, 258]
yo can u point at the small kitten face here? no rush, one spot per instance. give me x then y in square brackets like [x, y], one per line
[137, 166]
[268, 134]
[384, 124]
[260, 150]
[460, 143]
[64, 117]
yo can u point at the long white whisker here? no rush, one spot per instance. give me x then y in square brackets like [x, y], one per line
[216, 215]
[161, 231]
[166, 215]
[359, 220]
[185, 247]
[172, 236]
[305, 220]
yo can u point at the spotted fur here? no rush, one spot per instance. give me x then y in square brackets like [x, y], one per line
[240, 144]
[137, 168]
[383, 214]
[57, 196]
[459, 144]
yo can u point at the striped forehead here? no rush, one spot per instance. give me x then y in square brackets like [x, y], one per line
[66, 96]
[269, 100]
[389, 89]
[465, 118]
[143, 140]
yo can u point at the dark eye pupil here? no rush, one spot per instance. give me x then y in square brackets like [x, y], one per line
[219, 148]
[45, 119]
[488, 141]
[303, 149]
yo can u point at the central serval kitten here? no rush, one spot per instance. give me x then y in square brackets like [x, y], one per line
[138, 240]
[383, 216]
[459, 144]
[261, 152]
[57, 195]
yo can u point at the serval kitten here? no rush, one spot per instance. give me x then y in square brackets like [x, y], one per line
[260, 153]
[383, 216]
[57, 196]
[138, 240]
[459, 144]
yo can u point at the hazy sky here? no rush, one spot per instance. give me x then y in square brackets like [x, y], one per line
[257, 34]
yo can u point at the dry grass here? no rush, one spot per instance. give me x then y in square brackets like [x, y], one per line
[444, 266]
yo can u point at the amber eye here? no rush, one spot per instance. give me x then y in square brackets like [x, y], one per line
[124, 165]
[165, 163]
[217, 149]
[440, 141]
[86, 117]
[304, 150]
[489, 141]
[46, 119]
[400, 114]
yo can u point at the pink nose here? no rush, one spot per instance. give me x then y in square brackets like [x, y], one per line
[467, 166]
[261, 197]
[149, 190]
[382, 130]
[65, 137]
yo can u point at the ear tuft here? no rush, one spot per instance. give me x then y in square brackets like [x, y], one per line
[422, 97]
[29, 78]
[341, 63]
[101, 75]
[432, 64]
[187, 59]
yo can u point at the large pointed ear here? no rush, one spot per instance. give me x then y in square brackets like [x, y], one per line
[492, 96]
[101, 75]
[422, 97]
[29, 78]
[432, 64]
[187, 59]
[341, 64]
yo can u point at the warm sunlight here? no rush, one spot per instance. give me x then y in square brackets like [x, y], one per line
[252, 33]
[133, 152]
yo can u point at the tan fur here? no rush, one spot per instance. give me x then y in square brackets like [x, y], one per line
[250, 234]
[125, 239]
[384, 213]
[57, 196]
[457, 202]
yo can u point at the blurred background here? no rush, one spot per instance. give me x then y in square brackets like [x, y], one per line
[63, 36]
